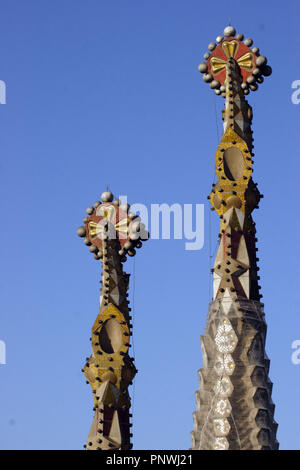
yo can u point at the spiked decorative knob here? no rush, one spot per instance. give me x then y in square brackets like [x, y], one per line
[110, 220]
[230, 49]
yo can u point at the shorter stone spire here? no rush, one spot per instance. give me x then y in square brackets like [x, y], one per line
[111, 232]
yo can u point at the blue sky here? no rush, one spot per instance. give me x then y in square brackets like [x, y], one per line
[108, 92]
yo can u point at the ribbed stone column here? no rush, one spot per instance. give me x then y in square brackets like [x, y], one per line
[234, 406]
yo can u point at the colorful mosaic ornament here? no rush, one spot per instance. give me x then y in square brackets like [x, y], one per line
[253, 66]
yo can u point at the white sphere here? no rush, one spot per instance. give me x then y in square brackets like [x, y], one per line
[215, 84]
[202, 67]
[81, 231]
[261, 60]
[90, 210]
[248, 42]
[107, 196]
[229, 31]
[250, 79]
[207, 77]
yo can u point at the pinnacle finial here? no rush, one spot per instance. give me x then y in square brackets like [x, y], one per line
[252, 65]
[110, 220]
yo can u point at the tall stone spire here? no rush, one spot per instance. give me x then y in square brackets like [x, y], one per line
[234, 406]
[111, 231]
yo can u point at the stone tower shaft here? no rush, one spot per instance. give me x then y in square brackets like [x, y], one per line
[234, 406]
[110, 370]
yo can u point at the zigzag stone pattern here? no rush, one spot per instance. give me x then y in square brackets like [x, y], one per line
[111, 231]
[234, 405]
